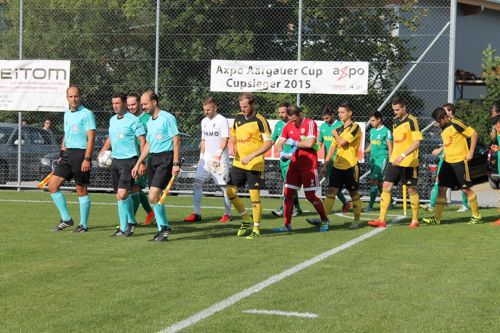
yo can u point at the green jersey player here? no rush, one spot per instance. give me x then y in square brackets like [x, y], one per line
[325, 136]
[278, 128]
[380, 149]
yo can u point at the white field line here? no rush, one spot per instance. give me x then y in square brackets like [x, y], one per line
[268, 282]
[173, 206]
[282, 313]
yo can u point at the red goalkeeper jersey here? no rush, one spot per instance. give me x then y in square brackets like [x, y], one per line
[302, 158]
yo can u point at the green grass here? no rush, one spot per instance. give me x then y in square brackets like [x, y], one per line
[433, 279]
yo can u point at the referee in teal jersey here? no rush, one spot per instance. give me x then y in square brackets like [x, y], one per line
[74, 160]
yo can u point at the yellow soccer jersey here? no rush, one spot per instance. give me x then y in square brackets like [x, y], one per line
[347, 156]
[249, 136]
[405, 132]
[454, 136]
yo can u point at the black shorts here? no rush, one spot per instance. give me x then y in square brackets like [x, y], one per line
[348, 178]
[160, 169]
[121, 173]
[454, 175]
[70, 166]
[240, 177]
[407, 175]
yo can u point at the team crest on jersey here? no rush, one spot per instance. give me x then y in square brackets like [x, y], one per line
[75, 128]
[121, 135]
[302, 131]
[158, 136]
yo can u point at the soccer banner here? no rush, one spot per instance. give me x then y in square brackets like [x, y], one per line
[34, 85]
[304, 77]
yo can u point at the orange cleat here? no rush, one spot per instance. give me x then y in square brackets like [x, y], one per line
[413, 225]
[193, 218]
[496, 223]
[346, 207]
[225, 218]
[150, 218]
[377, 224]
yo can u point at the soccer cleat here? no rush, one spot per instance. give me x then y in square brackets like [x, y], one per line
[118, 233]
[225, 218]
[431, 220]
[81, 229]
[284, 228]
[496, 223]
[462, 209]
[324, 226]
[367, 209]
[130, 230]
[413, 225]
[162, 235]
[64, 224]
[245, 226]
[356, 225]
[314, 222]
[475, 220]
[277, 212]
[254, 235]
[150, 218]
[296, 212]
[377, 224]
[193, 218]
[346, 207]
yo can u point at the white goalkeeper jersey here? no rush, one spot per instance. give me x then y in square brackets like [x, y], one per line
[212, 132]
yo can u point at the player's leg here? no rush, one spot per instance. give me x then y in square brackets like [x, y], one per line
[462, 174]
[283, 169]
[82, 180]
[221, 181]
[311, 177]
[237, 177]
[59, 200]
[201, 175]
[255, 180]
[392, 175]
[352, 184]
[160, 172]
[292, 185]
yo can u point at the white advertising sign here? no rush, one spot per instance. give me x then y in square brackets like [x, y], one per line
[304, 77]
[34, 85]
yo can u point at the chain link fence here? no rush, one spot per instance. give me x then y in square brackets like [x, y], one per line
[112, 48]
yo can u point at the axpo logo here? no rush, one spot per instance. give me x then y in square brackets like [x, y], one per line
[347, 71]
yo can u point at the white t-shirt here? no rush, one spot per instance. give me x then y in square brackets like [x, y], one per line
[212, 132]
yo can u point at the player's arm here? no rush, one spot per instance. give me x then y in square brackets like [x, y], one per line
[279, 144]
[389, 146]
[142, 143]
[473, 144]
[63, 146]
[329, 157]
[105, 146]
[437, 151]
[307, 143]
[493, 134]
[340, 141]
[202, 148]
[177, 154]
[88, 150]
[369, 149]
[262, 150]
[142, 157]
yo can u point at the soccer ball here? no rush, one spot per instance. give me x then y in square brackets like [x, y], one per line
[104, 160]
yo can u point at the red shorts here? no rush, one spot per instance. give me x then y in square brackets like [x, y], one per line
[295, 178]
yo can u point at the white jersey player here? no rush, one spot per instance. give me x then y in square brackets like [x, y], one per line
[214, 158]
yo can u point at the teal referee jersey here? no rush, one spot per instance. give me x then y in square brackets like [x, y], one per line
[123, 132]
[76, 125]
[161, 131]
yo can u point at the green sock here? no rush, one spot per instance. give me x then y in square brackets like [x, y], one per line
[465, 201]
[434, 195]
[373, 195]
[145, 202]
[341, 197]
[136, 201]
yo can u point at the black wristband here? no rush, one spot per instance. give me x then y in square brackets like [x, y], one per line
[176, 164]
[61, 153]
[88, 159]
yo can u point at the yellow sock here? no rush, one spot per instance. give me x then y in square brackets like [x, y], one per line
[439, 207]
[256, 206]
[356, 207]
[328, 203]
[414, 201]
[385, 202]
[237, 203]
[472, 199]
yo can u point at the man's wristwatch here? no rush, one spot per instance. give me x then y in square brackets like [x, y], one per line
[87, 158]
[176, 164]
[403, 154]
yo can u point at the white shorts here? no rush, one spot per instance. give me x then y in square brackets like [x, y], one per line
[203, 173]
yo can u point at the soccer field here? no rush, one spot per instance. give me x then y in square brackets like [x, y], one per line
[441, 278]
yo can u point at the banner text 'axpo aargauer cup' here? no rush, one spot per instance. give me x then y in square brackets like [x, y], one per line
[304, 77]
[34, 85]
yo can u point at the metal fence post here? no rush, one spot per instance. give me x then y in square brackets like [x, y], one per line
[19, 115]
[451, 53]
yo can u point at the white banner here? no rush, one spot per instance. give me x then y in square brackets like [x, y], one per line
[304, 77]
[34, 85]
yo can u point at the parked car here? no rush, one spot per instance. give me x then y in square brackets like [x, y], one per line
[493, 177]
[35, 143]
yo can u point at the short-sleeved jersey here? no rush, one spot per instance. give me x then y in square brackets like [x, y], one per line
[405, 132]
[378, 142]
[160, 132]
[250, 135]
[278, 128]
[303, 158]
[347, 155]
[123, 132]
[325, 134]
[454, 136]
[76, 125]
[143, 118]
[212, 132]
